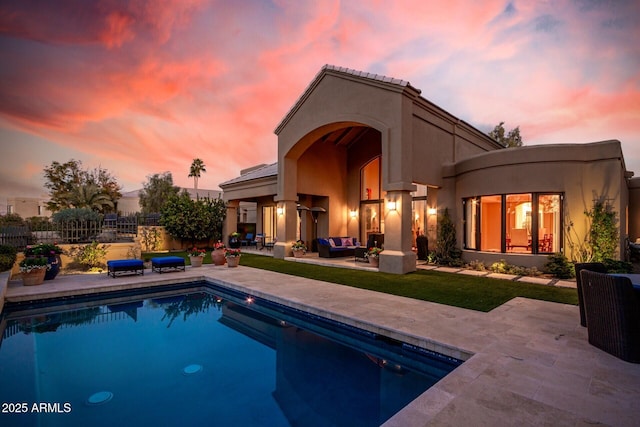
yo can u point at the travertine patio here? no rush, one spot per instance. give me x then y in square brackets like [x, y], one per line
[528, 362]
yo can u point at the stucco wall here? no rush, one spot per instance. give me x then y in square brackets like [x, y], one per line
[583, 172]
[634, 209]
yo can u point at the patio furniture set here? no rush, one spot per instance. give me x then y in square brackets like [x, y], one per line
[610, 309]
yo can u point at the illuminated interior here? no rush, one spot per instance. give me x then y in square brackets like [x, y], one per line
[506, 223]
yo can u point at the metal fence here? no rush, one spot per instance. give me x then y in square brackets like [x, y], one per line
[113, 228]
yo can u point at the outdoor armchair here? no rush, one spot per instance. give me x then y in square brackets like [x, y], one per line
[613, 314]
[591, 266]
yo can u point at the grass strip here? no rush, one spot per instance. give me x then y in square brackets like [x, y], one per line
[459, 290]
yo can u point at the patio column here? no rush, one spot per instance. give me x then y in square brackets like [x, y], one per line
[287, 220]
[397, 257]
[231, 220]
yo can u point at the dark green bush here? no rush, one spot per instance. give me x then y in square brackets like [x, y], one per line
[79, 215]
[615, 266]
[559, 266]
[8, 256]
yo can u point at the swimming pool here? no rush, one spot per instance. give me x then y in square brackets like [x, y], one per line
[201, 355]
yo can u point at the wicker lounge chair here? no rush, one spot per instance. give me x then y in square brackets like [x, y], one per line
[613, 314]
[591, 266]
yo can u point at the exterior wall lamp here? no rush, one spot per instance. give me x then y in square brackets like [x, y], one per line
[353, 214]
[280, 210]
[391, 206]
[432, 211]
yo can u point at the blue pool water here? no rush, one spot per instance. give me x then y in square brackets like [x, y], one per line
[201, 357]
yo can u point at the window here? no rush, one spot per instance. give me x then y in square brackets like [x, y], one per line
[269, 222]
[549, 224]
[490, 223]
[507, 223]
[518, 223]
[371, 195]
[370, 180]
[9, 209]
[419, 212]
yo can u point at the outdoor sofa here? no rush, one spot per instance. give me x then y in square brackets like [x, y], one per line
[335, 247]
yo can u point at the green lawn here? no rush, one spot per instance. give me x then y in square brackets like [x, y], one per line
[476, 293]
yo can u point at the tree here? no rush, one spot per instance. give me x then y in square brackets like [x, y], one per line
[63, 180]
[156, 191]
[513, 138]
[193, 220]
[92, 197]
[197, 167]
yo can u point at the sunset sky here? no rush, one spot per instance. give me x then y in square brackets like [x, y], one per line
[145, 86]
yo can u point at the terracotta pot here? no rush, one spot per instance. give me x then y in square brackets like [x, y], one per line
[217, 257]
[34, 277]
[374, 261]
[233, 261]
[298, 253]
[196, 261]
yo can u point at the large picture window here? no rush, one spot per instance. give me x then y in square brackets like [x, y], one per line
[371, 195]
[509, 223]
[269, 222]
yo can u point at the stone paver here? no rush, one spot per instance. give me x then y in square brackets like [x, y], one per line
[528, 362]
[536, 280]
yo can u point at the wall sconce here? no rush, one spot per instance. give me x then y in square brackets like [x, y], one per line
[432, 211]
[353, 214]
[391, 206]
[280, 210]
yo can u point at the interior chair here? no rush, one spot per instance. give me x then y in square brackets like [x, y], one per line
[591, 266]
[613, 314]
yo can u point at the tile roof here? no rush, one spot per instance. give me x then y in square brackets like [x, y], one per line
[262, 172]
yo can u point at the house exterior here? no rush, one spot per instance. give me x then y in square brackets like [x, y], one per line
[362, 154]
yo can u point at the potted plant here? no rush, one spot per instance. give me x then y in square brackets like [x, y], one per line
[52, 252]
[33, 270]
[234, 240]
[232, 256]
[373, 255]
[196, 256]
[217, 255]
[299, 249]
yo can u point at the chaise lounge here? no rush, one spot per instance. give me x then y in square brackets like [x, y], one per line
[161, 264]
[125, 266]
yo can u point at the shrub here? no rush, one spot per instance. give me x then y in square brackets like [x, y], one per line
[76, 215]
[603, 235]
[90, 256]
[615, 266]
[477, 265]
[447, 252]
[558, 265]
[193, 220]
[8, 255]
[151, 238]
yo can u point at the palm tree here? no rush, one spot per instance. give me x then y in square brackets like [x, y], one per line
[90, 196]
[197, 167]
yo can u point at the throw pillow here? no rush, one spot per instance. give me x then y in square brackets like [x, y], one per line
[332, 243]
[347, 241]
